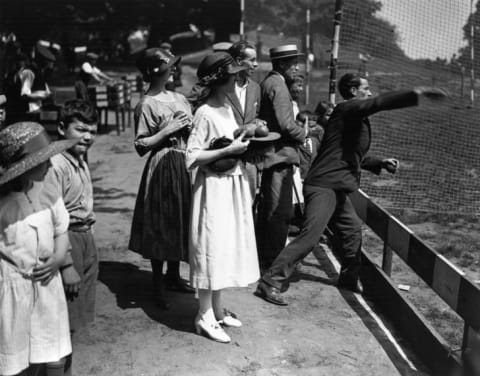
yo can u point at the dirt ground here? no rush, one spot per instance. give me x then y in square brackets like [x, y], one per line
[322, 332]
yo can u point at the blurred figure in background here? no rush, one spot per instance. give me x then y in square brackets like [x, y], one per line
[28, 88]
[89, 67]
[16, 105]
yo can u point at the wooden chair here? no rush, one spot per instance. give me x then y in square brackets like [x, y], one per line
[116, 102]
[98, 96]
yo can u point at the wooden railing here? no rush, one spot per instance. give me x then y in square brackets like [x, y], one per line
[448, 282]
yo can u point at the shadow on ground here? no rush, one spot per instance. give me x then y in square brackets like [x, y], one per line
[324, 264]
[132, 288]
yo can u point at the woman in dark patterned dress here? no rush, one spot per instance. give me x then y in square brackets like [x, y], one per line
[161, 217]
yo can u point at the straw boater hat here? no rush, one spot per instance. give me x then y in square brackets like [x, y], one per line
[222, 46]
[285, 51]
[91, 56]
[24, 146]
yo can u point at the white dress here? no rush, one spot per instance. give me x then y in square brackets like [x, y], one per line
[33, 318]
[222, 244]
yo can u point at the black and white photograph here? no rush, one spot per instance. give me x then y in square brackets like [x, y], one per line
[239, 187]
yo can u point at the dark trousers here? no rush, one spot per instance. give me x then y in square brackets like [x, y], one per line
[81, 308]
[323, 207]
[274, 212]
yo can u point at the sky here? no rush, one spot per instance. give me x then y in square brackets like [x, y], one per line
[428, 28]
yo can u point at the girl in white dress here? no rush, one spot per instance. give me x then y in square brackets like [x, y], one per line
[222, 241]
[34, 242]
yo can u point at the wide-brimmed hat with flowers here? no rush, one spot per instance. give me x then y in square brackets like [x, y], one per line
[24, 146]
[216, 66]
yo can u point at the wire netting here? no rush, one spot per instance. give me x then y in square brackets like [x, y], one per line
[412, 43]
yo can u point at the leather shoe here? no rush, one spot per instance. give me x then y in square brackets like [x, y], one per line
[270, 294]
[178, 285]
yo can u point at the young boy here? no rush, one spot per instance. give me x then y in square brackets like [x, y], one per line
[70, 174]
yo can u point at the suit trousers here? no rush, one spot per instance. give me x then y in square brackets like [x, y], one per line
[323, 206]
[274, 212]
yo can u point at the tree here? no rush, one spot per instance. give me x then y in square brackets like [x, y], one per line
[361, 29]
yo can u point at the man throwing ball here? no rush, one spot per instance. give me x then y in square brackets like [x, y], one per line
[334, 174]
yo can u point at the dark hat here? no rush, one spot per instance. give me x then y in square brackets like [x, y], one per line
[221, 46]
[285, 51]
[216, 65]
[44, 53]
[156, 60]
[24, 146]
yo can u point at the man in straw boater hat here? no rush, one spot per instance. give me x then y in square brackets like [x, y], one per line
[34, 247]
[333, 176]
[275, 204]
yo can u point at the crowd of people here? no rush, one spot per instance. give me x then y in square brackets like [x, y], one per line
[204, 197]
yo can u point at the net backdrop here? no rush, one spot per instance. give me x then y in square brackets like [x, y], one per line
[412, 43]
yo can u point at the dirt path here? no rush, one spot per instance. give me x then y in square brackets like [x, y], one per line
[322, 332]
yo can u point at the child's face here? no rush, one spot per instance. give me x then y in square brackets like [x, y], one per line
[296, 89]
[78, 129]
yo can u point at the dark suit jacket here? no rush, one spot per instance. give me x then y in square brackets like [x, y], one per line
[347, 141]
[252, 104]
[276, 109]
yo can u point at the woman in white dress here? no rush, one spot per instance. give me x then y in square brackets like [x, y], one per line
[222, 241]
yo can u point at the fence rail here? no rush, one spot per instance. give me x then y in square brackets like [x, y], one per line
[448, 282]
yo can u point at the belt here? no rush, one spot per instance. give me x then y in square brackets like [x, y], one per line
[80, 227]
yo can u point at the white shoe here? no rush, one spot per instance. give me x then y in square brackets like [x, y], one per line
[212, 330]
[230, 319]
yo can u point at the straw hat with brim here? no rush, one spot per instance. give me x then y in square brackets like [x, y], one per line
[91, 56]
[24, 146]
[157, 60]
[217, 65]
[284, 52]
[222, 46]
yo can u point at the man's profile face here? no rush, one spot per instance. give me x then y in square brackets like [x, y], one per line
[250, 61]
[363, 91]
[290, 68]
